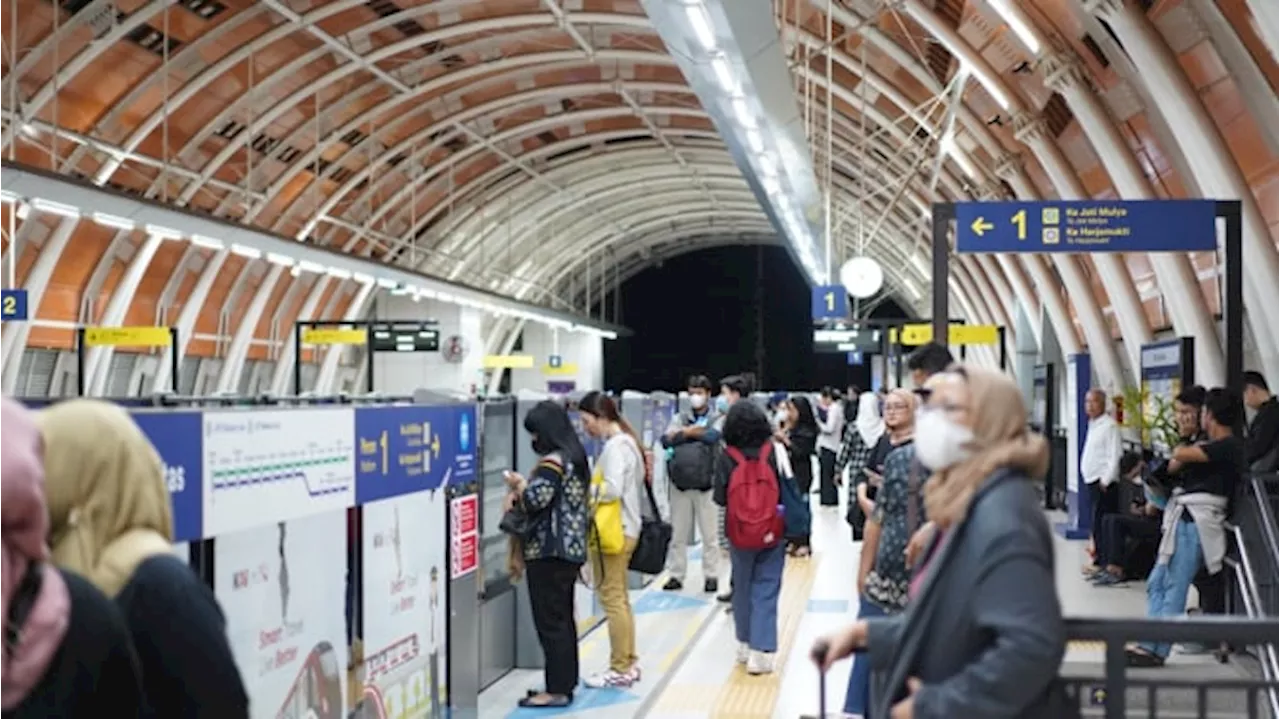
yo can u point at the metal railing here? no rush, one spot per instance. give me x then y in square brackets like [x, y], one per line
[1111, 692]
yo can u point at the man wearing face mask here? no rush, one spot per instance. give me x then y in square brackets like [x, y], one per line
[692, 440]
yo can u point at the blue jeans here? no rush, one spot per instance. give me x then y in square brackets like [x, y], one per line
[859, 691]
[1167, 584]
[757, 579]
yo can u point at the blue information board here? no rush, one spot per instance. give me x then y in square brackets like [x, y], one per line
[178, 438]
[464, 447]
[830, 302]
[13, 305]
[1087, 226]
[407, 449]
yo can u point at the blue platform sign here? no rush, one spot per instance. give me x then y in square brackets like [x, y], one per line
[464, 447]
[1087, 226]
[179, 439]
[13, 305]
[830, 302]
[400, 450]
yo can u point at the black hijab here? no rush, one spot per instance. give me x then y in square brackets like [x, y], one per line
[552, 431]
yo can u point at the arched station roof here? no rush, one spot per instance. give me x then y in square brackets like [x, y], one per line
[519, 145]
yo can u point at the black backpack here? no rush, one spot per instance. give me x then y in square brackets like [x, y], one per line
[691, 464]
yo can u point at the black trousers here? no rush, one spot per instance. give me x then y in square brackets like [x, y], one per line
[1111, 537]
[551, 599]
[1102, 502]
[1212, 589]
[827, 478]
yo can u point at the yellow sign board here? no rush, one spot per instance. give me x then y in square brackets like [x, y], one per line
[127, 337]
[958, 335]
[564, 370]
[334, 336]
[508, 362]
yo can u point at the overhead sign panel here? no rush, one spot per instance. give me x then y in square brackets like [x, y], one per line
[334, 336]
[508, 362]
[846, 340]
[830, 302]
[1087, 226]
[13, 305]
[127, 336]
[918, 334]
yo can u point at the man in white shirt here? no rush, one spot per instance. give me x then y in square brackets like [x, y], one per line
[1100, 460]
[830, 434]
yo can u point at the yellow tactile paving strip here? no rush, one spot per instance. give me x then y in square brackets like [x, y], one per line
[744, 696]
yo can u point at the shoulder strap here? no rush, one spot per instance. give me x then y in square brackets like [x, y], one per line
[734, 453]
[765, 451]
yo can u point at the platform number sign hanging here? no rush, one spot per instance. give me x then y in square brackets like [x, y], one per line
[830, 302]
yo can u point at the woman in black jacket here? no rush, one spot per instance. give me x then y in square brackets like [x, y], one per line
[800, 436]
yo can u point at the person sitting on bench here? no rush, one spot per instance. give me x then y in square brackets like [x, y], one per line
[1119, 560]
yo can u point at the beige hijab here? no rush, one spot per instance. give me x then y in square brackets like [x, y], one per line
[108, 502]
[1000, 440]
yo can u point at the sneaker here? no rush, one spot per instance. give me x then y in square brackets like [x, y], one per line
[744, 653]
[726, 597]
[634, 673]
[711, 586]
[759, 663]
[609, 679]
[673, 585]
[1107, 579]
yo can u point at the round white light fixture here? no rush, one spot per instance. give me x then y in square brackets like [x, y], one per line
[862, 277]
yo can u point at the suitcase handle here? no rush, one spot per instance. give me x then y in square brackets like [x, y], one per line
[819, 655]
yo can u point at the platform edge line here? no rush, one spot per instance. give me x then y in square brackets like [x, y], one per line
[660, 688]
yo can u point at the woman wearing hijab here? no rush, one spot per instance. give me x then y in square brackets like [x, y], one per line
[554, 544]
[799, 437]
[997, 653]
[112, 523]
[69, 654]
[855, 453]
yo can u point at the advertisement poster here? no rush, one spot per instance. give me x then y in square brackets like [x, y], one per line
[405, 640]
[269, 465]
[464, 535]
[284, 597]
[176, 437]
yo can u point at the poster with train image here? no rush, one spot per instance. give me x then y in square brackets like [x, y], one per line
[284, 600]
[404, 670]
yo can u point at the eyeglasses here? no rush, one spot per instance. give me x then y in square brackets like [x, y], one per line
[896, 407]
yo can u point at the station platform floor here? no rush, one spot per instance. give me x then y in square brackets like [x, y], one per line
[686, 643]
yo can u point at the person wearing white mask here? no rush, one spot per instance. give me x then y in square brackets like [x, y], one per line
[855, 453]
[692, 441]
[997, 653]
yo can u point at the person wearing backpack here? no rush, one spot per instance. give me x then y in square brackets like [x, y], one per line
[748, 487]
[692, 441]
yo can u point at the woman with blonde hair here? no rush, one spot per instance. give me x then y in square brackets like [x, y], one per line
[112, 523]
[995, 654]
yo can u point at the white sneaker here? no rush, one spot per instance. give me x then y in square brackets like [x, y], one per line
[760, 663]
[744, 653]
[609, 678]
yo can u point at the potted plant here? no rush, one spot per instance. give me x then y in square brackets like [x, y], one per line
[1151, 417]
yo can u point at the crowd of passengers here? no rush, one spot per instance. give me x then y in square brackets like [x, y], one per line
[941, 483]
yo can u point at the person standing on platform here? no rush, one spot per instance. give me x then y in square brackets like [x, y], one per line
[798, 437]
[860, 440]
[732, 389]
[1264, 428]
[692, 441]
[830, 432]
[1100, 462]
[926, 361]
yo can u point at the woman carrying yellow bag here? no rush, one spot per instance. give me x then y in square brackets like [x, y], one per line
[616, 488]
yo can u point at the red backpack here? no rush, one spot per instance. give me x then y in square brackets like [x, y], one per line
[752, 519]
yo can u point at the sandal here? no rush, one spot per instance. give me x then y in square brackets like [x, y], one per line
[1142, 659]
[542, 700]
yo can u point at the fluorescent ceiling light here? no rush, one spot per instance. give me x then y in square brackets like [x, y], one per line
[724, 72]
[743, 111]
[770, 185]
[767, 166]
[339, 273]
[398, 290]
[208, 242]
[755, 142]
[252, 253]
[55, 208]
[8, 197]
[986, 81]
[362, 278]
[701, 23]
[119, 223]
[918, 263]
[1020, 28]
[308, 266]
[276, 258]
[164, 233]
[387, 284]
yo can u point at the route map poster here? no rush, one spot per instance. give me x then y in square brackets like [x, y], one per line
[284, 595]
[405, 580]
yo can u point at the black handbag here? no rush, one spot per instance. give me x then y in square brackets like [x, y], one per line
[650, 556]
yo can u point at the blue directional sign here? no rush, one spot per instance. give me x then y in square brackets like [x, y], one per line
[830, 302]
[179, 440]
[13, 305]
[1087, 226]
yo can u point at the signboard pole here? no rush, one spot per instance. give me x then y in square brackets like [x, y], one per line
[368, 358]
[943, 214]
[173, 359]
[1004, 353]
[80, 363]
[1233, 292]
[297, 357]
